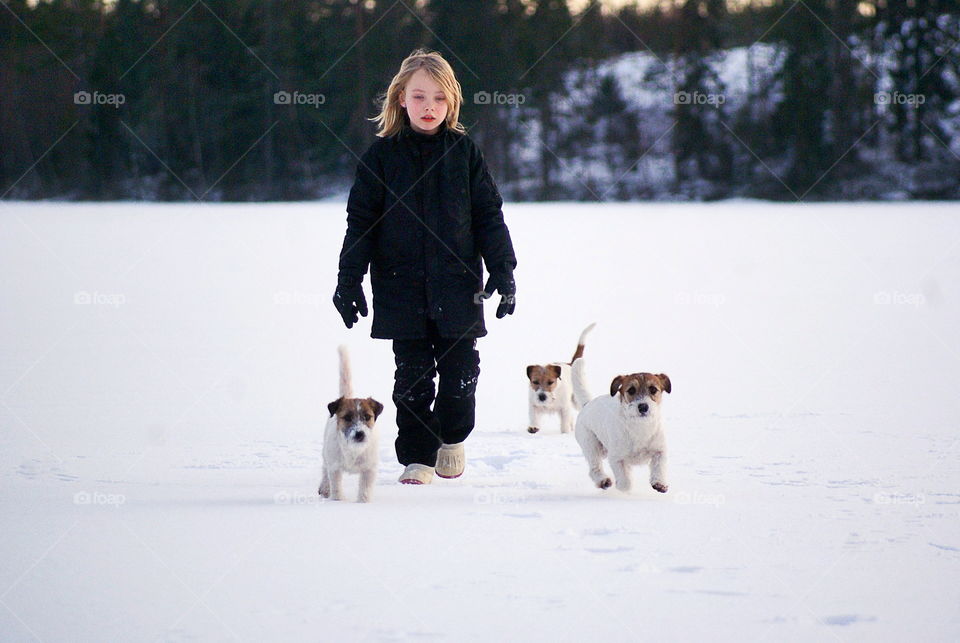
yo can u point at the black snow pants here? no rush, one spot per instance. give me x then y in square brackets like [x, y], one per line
[426, 419]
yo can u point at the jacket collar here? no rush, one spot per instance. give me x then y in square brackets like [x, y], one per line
[411, 134]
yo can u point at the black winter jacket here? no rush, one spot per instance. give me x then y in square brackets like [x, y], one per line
[422, 213]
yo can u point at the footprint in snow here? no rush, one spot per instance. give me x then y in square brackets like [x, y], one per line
[848, 619]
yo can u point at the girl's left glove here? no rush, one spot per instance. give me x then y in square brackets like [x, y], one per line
[503, 283]
[349, 301]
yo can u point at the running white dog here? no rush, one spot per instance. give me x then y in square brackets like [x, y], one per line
[551, 391]
[624, 427]
[350, 441]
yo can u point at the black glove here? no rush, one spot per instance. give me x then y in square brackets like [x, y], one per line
[349, 301]
[503, 283]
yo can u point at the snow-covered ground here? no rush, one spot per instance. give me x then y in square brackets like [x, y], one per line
[165, 370]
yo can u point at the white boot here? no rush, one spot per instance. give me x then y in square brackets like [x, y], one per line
[417, 474]
[451, 460]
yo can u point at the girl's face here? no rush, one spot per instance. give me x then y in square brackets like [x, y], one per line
[425, 102]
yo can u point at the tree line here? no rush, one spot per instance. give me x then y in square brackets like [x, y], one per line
[270, 100]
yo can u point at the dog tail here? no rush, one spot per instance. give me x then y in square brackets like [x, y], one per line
[580, 344]
[581, 395]
[346, 389]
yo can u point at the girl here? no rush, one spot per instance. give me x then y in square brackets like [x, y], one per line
[422, 214]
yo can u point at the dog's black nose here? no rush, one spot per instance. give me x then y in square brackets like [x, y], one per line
[360, 437]
[543, 397]
[642, 407]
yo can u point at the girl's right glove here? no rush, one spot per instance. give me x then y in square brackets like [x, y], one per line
[349, 301]
[503, 283]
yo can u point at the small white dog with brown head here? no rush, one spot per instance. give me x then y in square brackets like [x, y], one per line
[551, 390]
[624, 427]
[350, 441]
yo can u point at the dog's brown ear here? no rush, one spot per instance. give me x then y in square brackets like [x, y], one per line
[665, 381]
[554, 369]
[530, 370]
[333, 406]
[615, 385]
[377, 407]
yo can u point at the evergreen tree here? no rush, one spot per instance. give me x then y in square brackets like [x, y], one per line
[619, 135]
[801, 117]
[921, 36]
[462, 33]
[544, 54]
[701, 143]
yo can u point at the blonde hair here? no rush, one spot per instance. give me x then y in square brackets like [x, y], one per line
[392, 115]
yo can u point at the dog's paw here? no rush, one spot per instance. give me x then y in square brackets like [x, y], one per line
[323, 491]
[659, 486]
[532, 429]
[606, 483]
[623, 485]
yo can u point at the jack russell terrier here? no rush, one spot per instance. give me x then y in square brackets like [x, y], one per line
[624, 427]
[551, 391]
[350, 440]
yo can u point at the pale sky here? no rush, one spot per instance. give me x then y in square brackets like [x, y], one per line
[577, 5]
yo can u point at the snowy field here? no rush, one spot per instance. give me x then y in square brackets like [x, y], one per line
[165, 370]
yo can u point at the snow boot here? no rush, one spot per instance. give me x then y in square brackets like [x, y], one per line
[417, 474]
[451, 461]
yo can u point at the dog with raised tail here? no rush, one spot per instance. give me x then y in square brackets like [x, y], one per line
[623, 427]
[350, 441]
[550, 391]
